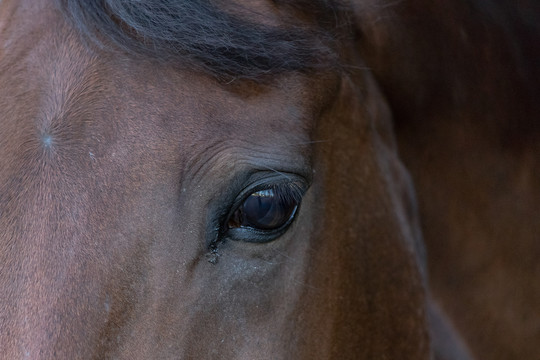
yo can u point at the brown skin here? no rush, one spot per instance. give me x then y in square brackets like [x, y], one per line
[467, 124]
[111, 173]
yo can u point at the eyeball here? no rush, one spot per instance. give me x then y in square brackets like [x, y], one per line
[265, 210]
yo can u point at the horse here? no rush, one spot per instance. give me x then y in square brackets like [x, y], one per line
[266, 179]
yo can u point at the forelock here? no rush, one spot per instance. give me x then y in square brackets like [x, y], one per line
[199, 34]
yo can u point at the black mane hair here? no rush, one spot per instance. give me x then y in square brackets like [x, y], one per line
[197, 33]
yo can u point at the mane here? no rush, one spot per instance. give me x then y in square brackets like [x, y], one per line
[197, 33]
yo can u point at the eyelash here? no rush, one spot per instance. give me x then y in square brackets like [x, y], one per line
[287, 191]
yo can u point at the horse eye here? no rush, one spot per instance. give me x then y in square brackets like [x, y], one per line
[265, 210]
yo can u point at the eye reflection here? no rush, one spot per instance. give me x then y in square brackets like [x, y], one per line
[266, 210]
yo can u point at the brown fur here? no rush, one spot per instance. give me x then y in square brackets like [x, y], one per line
[112, 165]
[463, 82]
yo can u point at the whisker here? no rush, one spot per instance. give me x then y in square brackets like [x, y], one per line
[305, 284]
[357, 67]
[306, 143]
[277, 172]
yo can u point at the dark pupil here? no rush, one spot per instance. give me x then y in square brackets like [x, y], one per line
[264, 210]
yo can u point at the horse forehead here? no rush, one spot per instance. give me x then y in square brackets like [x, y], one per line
[197, 110]
[71, 77]
[215, 128]
[85, 95]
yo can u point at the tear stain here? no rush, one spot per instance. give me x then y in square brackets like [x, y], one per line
[213, 256]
